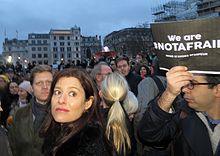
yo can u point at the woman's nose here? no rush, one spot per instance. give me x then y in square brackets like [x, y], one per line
[62, 98]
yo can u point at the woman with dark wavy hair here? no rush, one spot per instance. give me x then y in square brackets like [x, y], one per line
[73, 126]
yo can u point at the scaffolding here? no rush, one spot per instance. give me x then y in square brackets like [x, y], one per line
[208, 8]
[189, 9]
[168, 11]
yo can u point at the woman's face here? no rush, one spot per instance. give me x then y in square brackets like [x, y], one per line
[68, 101]
[143, 71]
[22, 94]
[13, 88]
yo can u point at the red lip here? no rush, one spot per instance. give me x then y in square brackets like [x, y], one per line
[61, 110]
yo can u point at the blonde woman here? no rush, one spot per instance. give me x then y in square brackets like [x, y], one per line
[114, 90]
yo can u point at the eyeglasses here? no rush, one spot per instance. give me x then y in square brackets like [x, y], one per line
[103, 74]
[192, 84]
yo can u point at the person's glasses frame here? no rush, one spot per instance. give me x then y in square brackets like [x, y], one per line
[191, 85]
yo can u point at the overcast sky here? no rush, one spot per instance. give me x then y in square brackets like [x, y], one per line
[94, 17]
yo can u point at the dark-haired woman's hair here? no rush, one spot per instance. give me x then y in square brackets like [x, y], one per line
[51, 129]
[148, 72]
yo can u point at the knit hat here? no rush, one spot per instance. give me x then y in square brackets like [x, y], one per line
[26, 85]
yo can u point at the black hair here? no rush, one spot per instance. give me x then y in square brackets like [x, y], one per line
[213, 79]
[56, 134]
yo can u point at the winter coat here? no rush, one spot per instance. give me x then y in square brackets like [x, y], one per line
[4, 144]
[88, 142]
[24, 140]
[187, 134]
[133, 81]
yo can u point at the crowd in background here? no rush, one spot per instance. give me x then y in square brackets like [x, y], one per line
[17, 92]
[111, 106]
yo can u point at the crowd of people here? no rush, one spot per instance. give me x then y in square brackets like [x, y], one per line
[117, 107]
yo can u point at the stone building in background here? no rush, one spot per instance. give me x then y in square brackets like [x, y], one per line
[129, 41]
[57, 46]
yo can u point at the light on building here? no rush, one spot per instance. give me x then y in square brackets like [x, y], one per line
[25, 61]
[9, 60]
[19, 57]
[106, 49]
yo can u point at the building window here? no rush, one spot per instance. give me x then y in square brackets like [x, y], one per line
[45, 56]
[61, 43]
[39, 62]
[77, 48]
[68, 43]
[45, 41]
[55, 55]
[61, 37]
[62, 55]
[54, 38]
[39, 48]
[77, 55]
[69, 55]
[54, 48]
[54, 43]
[45, 62]
[33, 49]
[61, 48]
[76, 43]
[68, 37]
[45, 48]
[33, 55]
[76, 38]
[38, 41]
[68, 48]
[39, 55]
[33, 42]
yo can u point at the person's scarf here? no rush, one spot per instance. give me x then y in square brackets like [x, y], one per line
[39, 112]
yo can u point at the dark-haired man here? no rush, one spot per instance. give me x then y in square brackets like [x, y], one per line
[123, 66]
[194, 126]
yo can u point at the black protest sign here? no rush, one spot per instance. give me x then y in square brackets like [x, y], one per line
[193, 43]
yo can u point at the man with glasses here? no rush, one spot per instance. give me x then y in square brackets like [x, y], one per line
[193, 128]
[99, 72]
[23, 134]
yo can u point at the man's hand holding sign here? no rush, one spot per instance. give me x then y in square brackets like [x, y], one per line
[190, 51]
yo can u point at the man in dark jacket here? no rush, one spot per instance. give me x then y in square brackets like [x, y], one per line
[123, 66]
[23, 134]
[193, 129]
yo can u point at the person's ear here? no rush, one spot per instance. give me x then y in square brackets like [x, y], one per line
[218, 90]
[89, 102]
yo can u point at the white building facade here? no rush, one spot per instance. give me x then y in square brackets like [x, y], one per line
[65, 46]
[59, 45]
